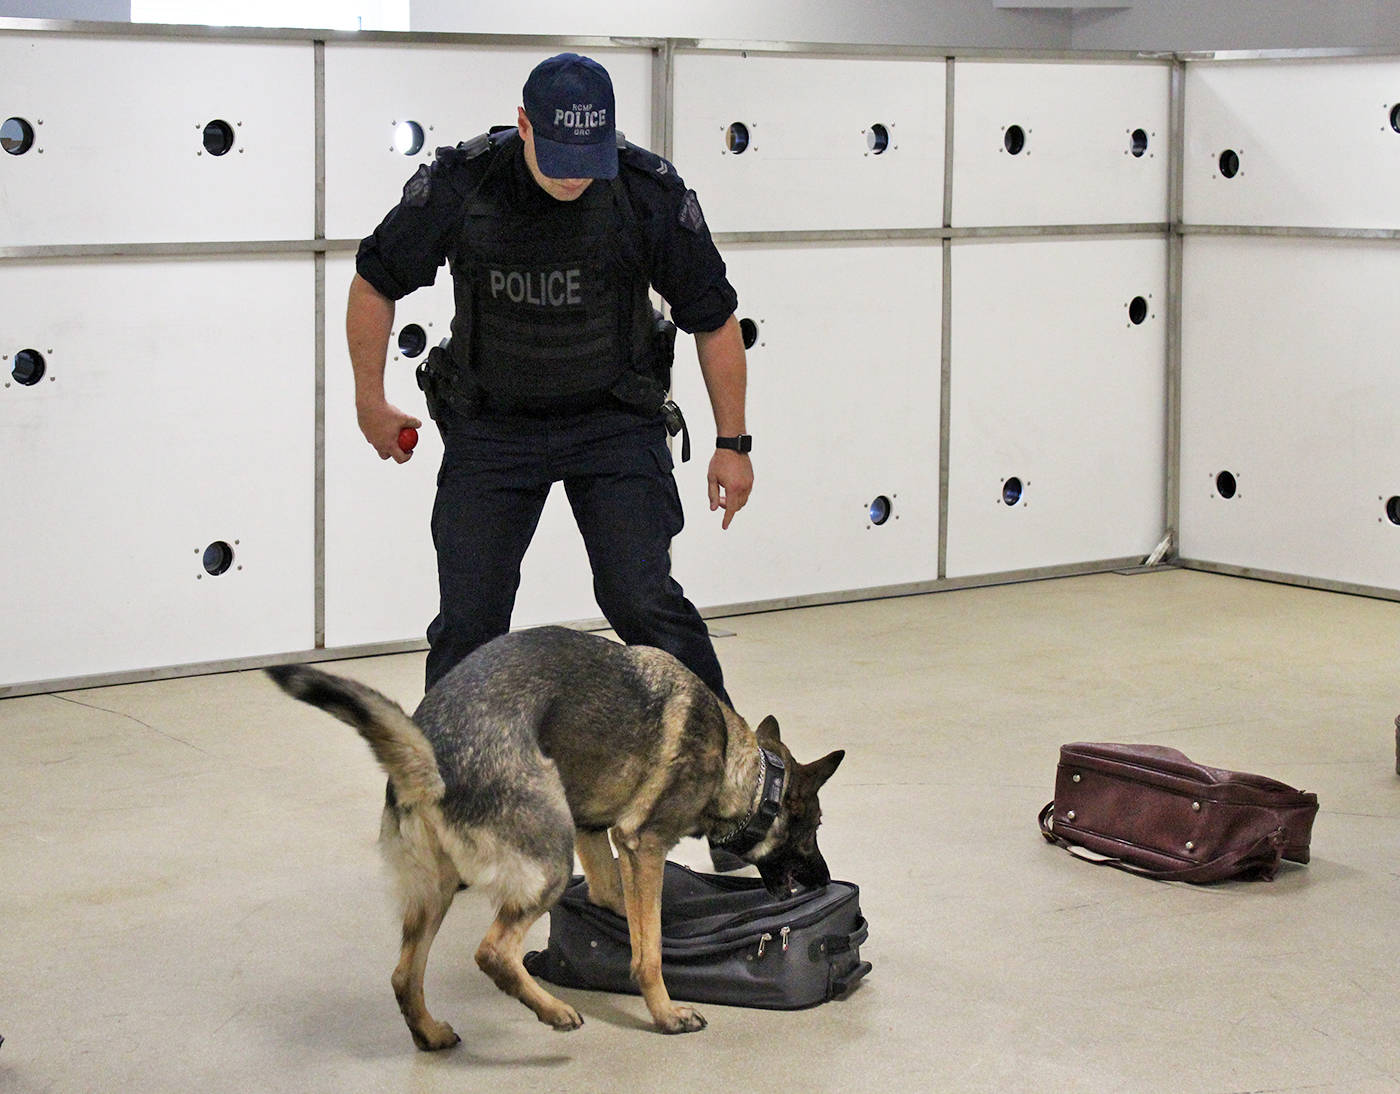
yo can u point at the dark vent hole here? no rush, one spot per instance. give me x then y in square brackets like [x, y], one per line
[218, 557]
[1225, 485]
[1137, 310]
[748, 330]
[16, 136]
[1392, 510]
[1394, 118]
[736, 138]
[1139, 143]
[877, 138]
[218, 137]
[1229, 163]
[1011, 490]
[880, 510]
[1015, 139]
[28, 368]
[413, 340]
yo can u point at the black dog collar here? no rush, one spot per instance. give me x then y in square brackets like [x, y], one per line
[754, 827]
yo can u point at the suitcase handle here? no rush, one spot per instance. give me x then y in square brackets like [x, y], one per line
[839, 943]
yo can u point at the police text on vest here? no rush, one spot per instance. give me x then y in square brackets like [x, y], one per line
[542, 288]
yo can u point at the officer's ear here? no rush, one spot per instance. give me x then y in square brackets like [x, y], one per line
[522, 123]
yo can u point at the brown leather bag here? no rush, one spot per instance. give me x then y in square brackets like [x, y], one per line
[1152, 811]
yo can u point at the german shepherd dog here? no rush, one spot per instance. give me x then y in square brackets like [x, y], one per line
[544, 742]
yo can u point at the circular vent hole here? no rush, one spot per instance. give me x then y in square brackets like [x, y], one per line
[1139, 148]
[16, 136]
[1012, 490]
[877, 138]
[1229, 163]
[880, 510]
[1225, 485]
[1394, 118]
[28, 368]
[1392, 510]
[218, 137]
[413, 340]
[736, 138]
[1015, 139]
[218, 557]
[408, 138]
[1137, 310]
[748, 330]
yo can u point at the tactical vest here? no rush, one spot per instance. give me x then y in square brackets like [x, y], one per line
[552, 304]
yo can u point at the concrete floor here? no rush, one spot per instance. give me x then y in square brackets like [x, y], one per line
[191, 897]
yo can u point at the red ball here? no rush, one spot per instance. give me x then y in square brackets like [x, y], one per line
[408, 438]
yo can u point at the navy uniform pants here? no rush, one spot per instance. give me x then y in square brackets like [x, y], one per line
[616, 469]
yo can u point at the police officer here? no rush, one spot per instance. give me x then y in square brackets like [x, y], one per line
[557, 367]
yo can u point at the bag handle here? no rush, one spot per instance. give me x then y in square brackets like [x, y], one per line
[1215, 870]
[832, 944]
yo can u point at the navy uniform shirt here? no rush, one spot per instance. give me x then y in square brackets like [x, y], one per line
[421, 232]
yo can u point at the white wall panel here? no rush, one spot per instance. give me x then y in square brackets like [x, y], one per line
[1316, 144]
[453, 93]
[167, 419]
[809, 162]
[1074, 163]
[119, 154]
[844, 407]
[381, 570]
[1289, 382]
[1054, 385]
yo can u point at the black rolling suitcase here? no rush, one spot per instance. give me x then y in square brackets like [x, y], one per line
[724, 940]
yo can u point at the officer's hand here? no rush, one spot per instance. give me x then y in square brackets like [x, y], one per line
[731, 482]
[380, 423]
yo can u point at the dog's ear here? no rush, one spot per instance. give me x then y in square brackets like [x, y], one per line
[768, 730]
[824, 768]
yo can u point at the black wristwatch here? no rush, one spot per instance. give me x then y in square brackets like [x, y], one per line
[742, 443]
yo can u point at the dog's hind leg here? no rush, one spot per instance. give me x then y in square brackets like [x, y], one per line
[500, 954]
[600, 868]
[424, 910]
[642, 862]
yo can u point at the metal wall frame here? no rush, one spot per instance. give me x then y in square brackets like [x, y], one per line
[1171, 229]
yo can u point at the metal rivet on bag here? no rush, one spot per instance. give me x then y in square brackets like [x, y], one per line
[1069, 815]
[1076, 778]
[1195, 807]
[1190, 845]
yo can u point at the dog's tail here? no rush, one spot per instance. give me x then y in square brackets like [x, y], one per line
[394, 738]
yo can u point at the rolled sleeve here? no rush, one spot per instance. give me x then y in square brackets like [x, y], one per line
[686, 266]
[413, 241]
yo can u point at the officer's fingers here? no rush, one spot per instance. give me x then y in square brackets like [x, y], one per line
[715, 498]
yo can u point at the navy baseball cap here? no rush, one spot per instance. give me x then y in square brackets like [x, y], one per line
[569, 101]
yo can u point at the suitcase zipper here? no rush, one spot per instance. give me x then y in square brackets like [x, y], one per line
[766, 938]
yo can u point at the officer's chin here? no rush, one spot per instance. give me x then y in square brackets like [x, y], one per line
[567, 189]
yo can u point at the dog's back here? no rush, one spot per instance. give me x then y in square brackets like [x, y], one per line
[589, 706]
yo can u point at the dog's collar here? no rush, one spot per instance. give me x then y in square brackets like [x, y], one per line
[749, 832]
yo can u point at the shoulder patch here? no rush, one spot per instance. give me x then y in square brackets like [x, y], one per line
[650, 164]
[690, 216]
[419, 188]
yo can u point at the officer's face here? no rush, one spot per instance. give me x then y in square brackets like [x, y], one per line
[559, 189]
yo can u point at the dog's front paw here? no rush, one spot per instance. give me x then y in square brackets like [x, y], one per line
[435, 1036]
[682, 1020]
[563, 1018]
